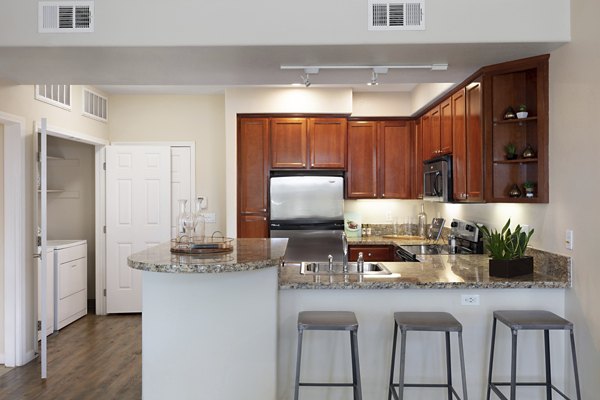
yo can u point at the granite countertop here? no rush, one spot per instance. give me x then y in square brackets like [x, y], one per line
[247, 255]
[435, 272]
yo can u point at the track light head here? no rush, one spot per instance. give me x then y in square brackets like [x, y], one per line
[305, 80]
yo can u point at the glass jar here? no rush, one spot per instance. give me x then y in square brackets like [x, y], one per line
[180, 218]
[199, 225]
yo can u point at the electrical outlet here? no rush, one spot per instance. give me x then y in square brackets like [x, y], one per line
[569, 239]
[469, 299]
[209, 218]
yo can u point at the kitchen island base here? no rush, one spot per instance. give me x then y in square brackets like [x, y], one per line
[209, 336]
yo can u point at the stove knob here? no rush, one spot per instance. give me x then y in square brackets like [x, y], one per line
[470, 228]
[454, 224]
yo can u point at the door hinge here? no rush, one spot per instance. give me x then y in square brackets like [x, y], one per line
[39, 326]
[104, 292]
[104, 229]
[104, 165]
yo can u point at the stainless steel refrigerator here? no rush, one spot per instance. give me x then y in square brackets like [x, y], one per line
[308, 209]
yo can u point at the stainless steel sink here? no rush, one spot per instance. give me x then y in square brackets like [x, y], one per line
[322, 268]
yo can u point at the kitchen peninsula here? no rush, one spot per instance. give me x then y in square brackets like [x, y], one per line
[209, 322]
[208, 334]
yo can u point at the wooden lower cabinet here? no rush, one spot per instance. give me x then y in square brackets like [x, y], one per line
[371, 253]
[253, 226]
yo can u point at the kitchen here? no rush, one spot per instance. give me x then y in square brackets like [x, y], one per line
[573, 84]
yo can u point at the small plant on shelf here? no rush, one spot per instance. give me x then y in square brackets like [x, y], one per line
[522, 111]
[511, 151]
[507, 250]
[529, 188]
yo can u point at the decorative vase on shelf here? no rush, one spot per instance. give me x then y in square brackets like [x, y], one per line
[510, 113]
[528, 152]
[515, 192]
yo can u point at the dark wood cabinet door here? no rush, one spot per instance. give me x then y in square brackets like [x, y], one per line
[252, 164]
[253, 226]
[431, 133]
[371, 253]
[327, 142]
[395, 159]
[288, 142]
[361, 177]
[417, 160]
[446, 127]
[459, 152]
[474, 135]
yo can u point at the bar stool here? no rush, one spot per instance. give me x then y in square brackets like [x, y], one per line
[518, 320]
[431, 322]
[330, 321]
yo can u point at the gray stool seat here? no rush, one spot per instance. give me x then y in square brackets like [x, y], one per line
[327, 321]
[426, 322]
[330, 321]
[518, 320]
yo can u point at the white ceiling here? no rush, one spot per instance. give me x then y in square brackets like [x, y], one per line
[211, 69]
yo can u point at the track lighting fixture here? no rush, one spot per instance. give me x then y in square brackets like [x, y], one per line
[373, 81]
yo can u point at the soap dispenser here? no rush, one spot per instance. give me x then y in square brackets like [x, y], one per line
[422, 222]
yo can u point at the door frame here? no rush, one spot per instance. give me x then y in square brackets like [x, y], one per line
[16, 261]
[101, 216]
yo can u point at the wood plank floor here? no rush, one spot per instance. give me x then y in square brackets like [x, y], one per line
[96, 357]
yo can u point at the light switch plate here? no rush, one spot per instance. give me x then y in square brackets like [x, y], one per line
[569, 239]
[209, 218]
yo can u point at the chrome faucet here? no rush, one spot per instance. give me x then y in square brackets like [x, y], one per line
[344, 252]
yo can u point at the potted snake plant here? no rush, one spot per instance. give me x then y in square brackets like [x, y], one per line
[507, 251]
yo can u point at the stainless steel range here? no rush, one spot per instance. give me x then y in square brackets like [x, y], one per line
[467, 240]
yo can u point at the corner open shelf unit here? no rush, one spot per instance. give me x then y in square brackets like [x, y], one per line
[524, 82]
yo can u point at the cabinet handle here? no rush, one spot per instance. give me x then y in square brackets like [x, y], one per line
[369, 254]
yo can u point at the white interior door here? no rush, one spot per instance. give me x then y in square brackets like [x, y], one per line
[41, 229]
[181, 178]
[138, 213]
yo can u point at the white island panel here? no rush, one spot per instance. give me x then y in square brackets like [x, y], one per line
[209, 336]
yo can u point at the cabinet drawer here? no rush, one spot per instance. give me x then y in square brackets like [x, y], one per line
[72, 253]
[72, 277]
[71, 307]
[371, 253]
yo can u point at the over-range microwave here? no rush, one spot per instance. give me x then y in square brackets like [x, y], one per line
[437, 179]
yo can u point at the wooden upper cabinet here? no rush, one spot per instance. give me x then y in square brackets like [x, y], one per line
[417, 160]
[252, 177]
[327, 145]
[361, 178]
[446, 116]
[459, 154]
[395, 161]
[252, 162]
[474, 131]
[432, 125]
[288, 143]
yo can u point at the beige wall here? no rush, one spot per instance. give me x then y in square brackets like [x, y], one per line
[1, 241]
[369, 104]
[165, 118]
[71, 214]
[425, 93]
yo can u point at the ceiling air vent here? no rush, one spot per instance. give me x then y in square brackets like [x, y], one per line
[65, 16]
[397, 16]
[95, 106]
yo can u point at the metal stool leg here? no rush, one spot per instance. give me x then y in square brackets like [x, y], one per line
[391, 387]
[355, 366]
[401, 369]
[298, 357]
[513, 366]
[548, 367]
[448, 366]
[489, 388]
[575, 365]
[462, 366]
